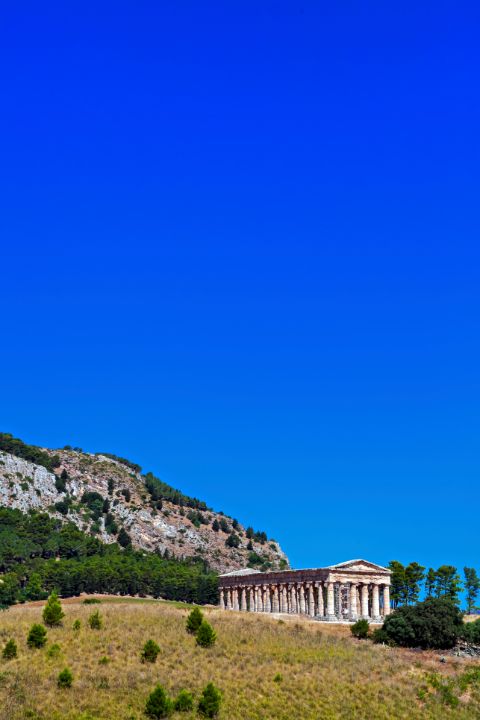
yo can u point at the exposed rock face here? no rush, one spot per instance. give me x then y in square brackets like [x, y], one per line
[25, 486]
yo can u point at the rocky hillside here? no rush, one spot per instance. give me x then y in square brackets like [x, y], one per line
[110, 498]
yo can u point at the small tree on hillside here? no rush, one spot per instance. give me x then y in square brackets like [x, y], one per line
[65, 678]
[124, 538]
[95, 621]
[360, 629]
[210, 701]
[10, 650]
[472, 587]
[37, 637]
[215, 525]
[52, 612]
[194, 620]
[150, 652]
[206, 635]
[232, 540]
[158, 704]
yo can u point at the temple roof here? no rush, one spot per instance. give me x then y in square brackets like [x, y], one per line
[358, 564]
[243, 571]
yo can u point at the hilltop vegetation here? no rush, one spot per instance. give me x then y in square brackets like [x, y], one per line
[39, 553]
[265, 669]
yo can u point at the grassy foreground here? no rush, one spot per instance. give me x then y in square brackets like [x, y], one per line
[325, 674]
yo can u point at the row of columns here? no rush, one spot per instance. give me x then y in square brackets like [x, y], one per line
[326, 600]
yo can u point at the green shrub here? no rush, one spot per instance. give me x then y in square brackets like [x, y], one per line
[184, 701]
[360, 629]
[92, 601]
[471, 632]
[278, 678]
[206, 635]
[158, 704]
[52, 612]
[104, 660]
[53, 651]
[210, 701]
[379, 636]
[434, 623]
[194, 620]
[95, 621]
[65, 679]
[76, 625]
[150, 652]
[37, 637]
[10, 650]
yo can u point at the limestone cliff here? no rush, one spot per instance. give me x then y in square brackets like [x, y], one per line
[102, 495]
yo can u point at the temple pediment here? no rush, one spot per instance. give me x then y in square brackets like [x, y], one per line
[358, 566]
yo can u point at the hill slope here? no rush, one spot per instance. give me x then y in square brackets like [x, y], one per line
[265, 669]
[111, 499]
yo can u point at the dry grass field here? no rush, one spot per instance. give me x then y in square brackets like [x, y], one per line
[325, 673]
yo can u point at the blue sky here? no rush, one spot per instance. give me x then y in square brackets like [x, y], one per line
[240, 246]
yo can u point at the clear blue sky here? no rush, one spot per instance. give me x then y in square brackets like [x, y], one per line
[240, 245]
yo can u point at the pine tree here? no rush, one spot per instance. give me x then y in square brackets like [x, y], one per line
[124, 538]
[95, 621]
[37, 637]
[158, 704]
[184, 701]
[150, 652]
[52, 612]
[194, 620]
[215, 525]
[210, 701]
[414, 574]
[10, 650]
[397, 580]
[430, 580]
[206, 635]
[447, 582]
[65, 679]
[472, 587]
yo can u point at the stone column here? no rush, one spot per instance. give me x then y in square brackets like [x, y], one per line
[228, 604]
[364, 592]
[311, 600]
[244, 599]
[293, 599]
[320, 603]
[257, 599]
[301, 599]
[283, 599]
[386, 600]
[266, 604]
[375, 603]
[330, 602]
[235, 598]
[275, 599]
[353, 601]
[339, 601]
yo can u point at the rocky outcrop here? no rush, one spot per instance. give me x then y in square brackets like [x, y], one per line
[26, 486]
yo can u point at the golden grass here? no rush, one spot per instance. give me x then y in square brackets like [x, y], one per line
[326, 674]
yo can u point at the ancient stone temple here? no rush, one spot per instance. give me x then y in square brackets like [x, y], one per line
[344, 592]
